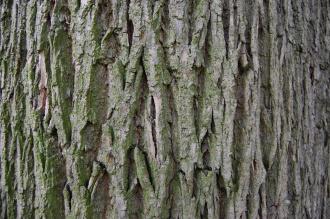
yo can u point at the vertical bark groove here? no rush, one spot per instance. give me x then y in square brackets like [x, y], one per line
[164, 109]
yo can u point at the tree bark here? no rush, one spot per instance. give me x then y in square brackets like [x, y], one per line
[165, 109]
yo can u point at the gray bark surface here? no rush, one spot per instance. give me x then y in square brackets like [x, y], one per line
[164, 109]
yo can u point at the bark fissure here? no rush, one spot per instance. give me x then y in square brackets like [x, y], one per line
[164, 109]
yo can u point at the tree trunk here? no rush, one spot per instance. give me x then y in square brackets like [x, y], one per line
[165, 109]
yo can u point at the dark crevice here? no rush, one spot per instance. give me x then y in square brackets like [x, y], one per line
[224, 112]
[150, 175]
[196, 115]
[53, 133]
[311, 74]
[239, 126]
[165, 20]
[130, 31]
[213, 129]
[279, 47]
[236, 37]
[22, 48]
[247, 203]
[280, 10]
[260, 203]
[195, 178]
[49, 19]
[220, 79]
[205, 212]
[265, 16]
[87, 181]
[140, 107]
[205, 151]
[78, 4]
[199, 98]
[264, 54]
[190, 13]
[207, 43]
[48, 60]
[152, 6]
[254, 164]
[326, 138]
[180, 171]
[222, 195]
[248, 14]
[142, 90]
[129, 169]
[153, 123]
[123, 73]
[226, 23]
[144, 81]
[69, 192]
[130, 26]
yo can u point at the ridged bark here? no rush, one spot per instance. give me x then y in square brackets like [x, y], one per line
[165, 109]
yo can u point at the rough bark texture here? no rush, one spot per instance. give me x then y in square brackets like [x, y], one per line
[165, 109]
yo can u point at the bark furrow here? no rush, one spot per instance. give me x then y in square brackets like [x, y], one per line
[164, 109]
